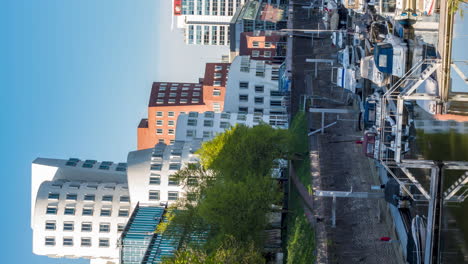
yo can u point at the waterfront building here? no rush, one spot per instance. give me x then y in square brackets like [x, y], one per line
[78, 208]
[205, 22]
[205, 126]
[169, 99]
[263, 45]
[252, 87]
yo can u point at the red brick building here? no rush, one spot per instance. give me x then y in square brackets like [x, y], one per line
[263, 46]
[169, 99]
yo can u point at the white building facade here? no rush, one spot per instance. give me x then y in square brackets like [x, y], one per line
[206, 22]
[252, 87]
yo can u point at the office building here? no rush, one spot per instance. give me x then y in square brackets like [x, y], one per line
[169, 99]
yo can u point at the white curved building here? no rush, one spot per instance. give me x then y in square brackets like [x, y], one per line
[78, 208]
[205, 126]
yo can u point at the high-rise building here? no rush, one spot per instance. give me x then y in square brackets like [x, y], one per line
[169, 99]
[252, 87]
[206, 22]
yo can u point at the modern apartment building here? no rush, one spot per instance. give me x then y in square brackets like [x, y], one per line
[169, 99]
[206, 22]
[78, 208]
[252, 87]
[205, 126]
[263, 45]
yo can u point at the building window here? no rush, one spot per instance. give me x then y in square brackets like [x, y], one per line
[159, 122]
[191, 133]
[123, 212]
[216, 92]
[183, 101]
[255, 44]
[216, 107]
[173, 196]
[87, 211]
[69, 211]
[255, 53]
[258, 110]
[267, 54]
[50, 241]
[106, 212]
[92, 186]
[207, 134]
[259, 88]
[160, 140]
[172, 95]
[193, 114]
[192, 181]
[244, 85]
[156, 167]
[172, 101]
[218, 68]
[225, 115]
[217, 75]
[124, 199]
[159, 131]
[159, 113]
[120, 227]
[267, 44]
[259, 100]
[104, 227]
[86, 227]
[67, 226]
[217, 83]
[170, 132]
[103, 242]
[72, 196]
[50, 225]
[54, 196]
[160, 101]
[243, 110]
[275, 103]
[184, 94]
[170, 123]
[89, 197]
[196, 94]
[154, 195]
[161, 94]
[224, 125]
[173, 181]
[243, 98]
[68, 241]
[170, 114]
[107, 198]
[155, 180]
[85, 241]
[209, 114]
[172, 141]
[208, 123]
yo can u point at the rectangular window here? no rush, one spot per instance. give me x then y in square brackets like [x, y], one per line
[155, 180]
[175, 166]
[106, 212]
[69, 211]
[107, 198]
[123, 212]
[216, 92]
[255, 53]
[50, 225]
[243, 98]
[191, 133]
[172, 101]
[159, 113]
[159, 131]
[192, 122]
[267, 54]
[218, 67]
[170, 132]
[172, 95]
[85, 241]
[154, 195]
[255, 44]
[192, 181]
[72, 196]
[193, 114]
[259, 100]
[243, 110]
[267, 44]
[172, 141]
[259, 88]
[156, 167]
[244, 85]
[209, 114]
[258, 110]
[120, 227]
[89, 197]
[170, 114]
[207, 134]
[68, 226]
[217, 75]
[224, 125]
[159, 122]
[54, 196]
[170, 122]
[161, 94]
[104, 167]
[173, 196]
[88, 211]
[104, 227]
[217, 83]
[173, 181]
[184, 94]
[124, 199]
[86, 227]
[50, 241]
[275, 103]
[182, 101]
[196, 94]
[208, 123]
[160, 140]
[103, 242]
[68, 241]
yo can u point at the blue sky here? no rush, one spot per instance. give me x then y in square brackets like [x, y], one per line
[75, 78]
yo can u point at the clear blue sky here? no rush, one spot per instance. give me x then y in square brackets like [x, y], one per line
[75, 78]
